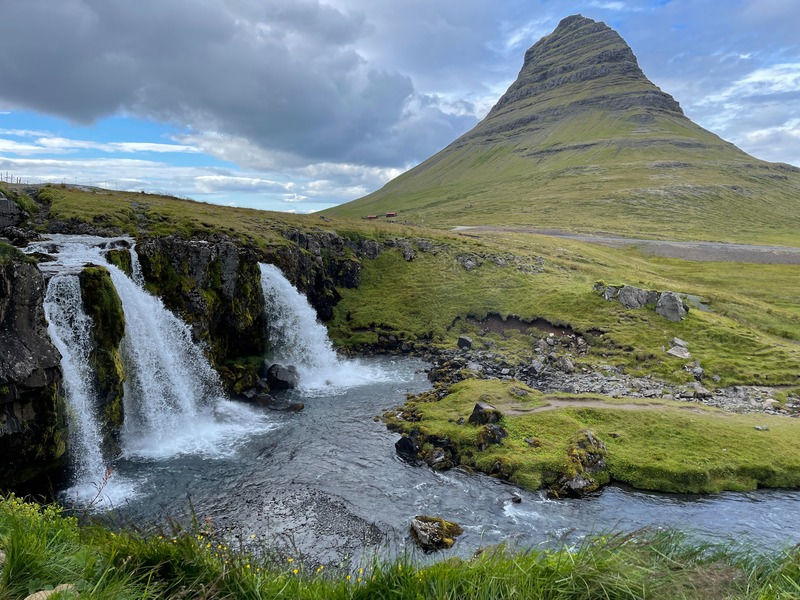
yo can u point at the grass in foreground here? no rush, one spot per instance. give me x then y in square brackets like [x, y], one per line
[44, 549]
[657, 445]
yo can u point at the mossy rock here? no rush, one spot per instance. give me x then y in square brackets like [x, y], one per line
[103, 305]
[121, 258]
[432, 533]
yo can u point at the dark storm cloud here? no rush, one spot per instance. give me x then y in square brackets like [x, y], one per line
[283, 74]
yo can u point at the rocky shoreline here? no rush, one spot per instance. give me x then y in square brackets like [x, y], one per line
[554, 367]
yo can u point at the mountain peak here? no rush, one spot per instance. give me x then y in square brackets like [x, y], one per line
[582, 140]
[582, 64]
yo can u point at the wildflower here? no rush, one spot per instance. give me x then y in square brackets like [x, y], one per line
[296, 571]
[252, 536]
[348, 578]
[291, 560]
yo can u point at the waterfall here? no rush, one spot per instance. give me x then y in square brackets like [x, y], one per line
[173, 400]
[70, 329]
[169, 380]
[299, 339]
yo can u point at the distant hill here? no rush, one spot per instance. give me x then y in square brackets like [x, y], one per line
[583, 141]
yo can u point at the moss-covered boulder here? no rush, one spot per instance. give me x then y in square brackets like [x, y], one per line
[587, 470]
[432, 533]
[103, 305]
[121, 258]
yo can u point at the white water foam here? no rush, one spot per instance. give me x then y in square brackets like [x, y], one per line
[300, 340]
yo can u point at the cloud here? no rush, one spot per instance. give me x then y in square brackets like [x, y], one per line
[228, 183]
[286, 74]
[338, 96]
[610, 5]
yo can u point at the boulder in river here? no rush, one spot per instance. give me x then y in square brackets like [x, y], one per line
[280, 377]
[432, 533]
[407, 448]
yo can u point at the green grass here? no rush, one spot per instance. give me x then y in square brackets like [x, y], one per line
[9, 253]
[44, 549]
[623, 183]
[751, 335]
[656, 445]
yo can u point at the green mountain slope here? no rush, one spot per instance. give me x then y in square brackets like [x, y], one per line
[583, 141]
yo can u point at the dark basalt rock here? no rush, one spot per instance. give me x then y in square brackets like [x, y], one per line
[484, 414]
[407, 448]
[103, 305]
[32, 424]
[280, 377]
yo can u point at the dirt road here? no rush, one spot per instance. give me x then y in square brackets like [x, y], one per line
[701, 251]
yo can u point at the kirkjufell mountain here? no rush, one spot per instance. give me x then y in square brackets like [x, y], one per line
[584, 141]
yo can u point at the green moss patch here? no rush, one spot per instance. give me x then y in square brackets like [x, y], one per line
[103, 305]
[663, 445]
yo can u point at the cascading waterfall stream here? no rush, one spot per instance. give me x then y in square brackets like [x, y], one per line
[70, 329]
[173, 400]
[300, 340]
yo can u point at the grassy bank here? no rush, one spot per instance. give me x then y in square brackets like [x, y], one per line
[650, 444]
[44, 549]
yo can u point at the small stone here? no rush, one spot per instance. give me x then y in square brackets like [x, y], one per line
[516, 498]
[464, 342]
[59, 589]
[761, 428]
[676, 341]
[565, 365]
[679, 352]
[537, 367]
[701, 392]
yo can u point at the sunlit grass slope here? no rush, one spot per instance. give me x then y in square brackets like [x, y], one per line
[750, 335]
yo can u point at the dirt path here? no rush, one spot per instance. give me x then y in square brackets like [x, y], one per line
[700, 251]
[555, 403]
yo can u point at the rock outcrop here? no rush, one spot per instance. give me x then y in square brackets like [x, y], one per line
[103, 305]
[587, 473]
[32, 428]
[215, 286]
[666, 304]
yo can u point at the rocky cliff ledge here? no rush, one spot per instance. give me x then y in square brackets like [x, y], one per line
[32, 433]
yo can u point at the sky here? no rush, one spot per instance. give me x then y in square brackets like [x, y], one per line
[298, 105]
